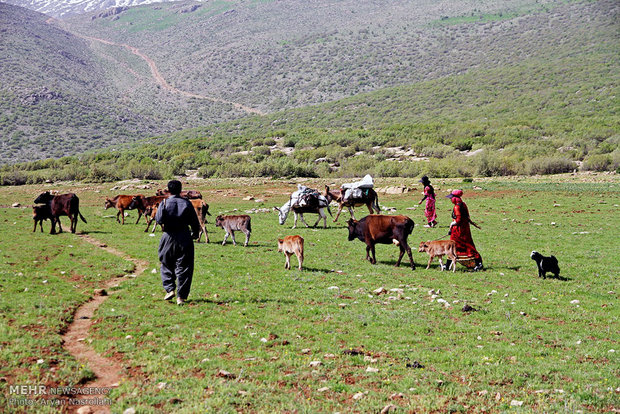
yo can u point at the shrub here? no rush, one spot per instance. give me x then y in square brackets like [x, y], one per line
[598, 162]
[13, 178]
[549, 165]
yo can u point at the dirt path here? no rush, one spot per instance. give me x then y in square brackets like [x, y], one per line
[159, 79]
[108, 372]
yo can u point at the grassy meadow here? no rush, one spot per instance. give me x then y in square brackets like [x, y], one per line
[320, 340]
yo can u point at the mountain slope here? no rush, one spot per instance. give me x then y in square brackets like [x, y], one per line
[63, 8]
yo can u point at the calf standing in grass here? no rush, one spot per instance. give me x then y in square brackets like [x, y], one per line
[440, 248]
[292, 245]
[230, 224]
[40, 213]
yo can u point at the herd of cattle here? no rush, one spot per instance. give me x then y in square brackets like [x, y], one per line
[371, 230]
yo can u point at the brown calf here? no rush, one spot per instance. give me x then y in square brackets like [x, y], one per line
[292, 245]
[230, 224]
[202, 210]
[122, 203]
[439, 248]
[40, 213]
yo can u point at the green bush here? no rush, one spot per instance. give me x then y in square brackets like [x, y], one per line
[13, 178]
[549, 165]
[598, 162]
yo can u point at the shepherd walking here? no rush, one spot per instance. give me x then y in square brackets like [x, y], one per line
[176, 216]
[429, 196]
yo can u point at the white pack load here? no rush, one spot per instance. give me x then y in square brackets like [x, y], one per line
[354, 190]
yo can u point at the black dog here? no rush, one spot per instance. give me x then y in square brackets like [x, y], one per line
[545, 264]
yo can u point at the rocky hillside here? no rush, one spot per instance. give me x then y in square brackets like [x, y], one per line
[120, 75]
[64, 8]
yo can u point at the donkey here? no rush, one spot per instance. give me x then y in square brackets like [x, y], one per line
[369, 198]
[316, 205]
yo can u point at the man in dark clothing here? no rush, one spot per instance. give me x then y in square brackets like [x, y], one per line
[176, 248]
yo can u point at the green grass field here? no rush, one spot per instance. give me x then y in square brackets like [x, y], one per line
[533, 345]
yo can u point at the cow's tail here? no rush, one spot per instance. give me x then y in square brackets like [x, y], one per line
[250, 226]
[376, 205]
[82, 217]
[409, 227]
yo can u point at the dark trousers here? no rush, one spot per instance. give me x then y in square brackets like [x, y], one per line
[176, 254]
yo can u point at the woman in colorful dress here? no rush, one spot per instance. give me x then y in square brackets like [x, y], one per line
[460, 231]
[429, 196]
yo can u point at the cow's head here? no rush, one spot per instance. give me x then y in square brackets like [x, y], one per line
[352, 225]
[44, 198]
[423, 246]
[280, 247]
[219, 221]
[108, 203]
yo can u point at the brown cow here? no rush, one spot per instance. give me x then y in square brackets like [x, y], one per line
[440, 248]
[62, 205]
[146, 204]
[40, 213]
[369, 199]
[122, 203]
[202, 210]
[230, 224]
[292, 245]
[189, 194]
[382, 229]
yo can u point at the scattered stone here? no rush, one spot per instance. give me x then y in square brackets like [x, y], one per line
[468, 308]
[248, 198]
[15, 205]
[483, 392]
[161, 385]
[368, 358]
[358, 395]
[380, 291]
[128, 337]
[225, 374]
[306, 351]
[574, 302]
[389, 408]
[315, 364]
[100, 292]
[516, 403]
[40, 361]
[371, 369]
[85, 410]
[154, 270]
[149, 333]
[130, 410]
[323, 389]
[397, 396]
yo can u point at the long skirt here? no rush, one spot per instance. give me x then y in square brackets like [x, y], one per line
[429, 211]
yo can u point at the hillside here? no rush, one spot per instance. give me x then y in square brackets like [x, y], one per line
[538, 116]
[469, 72]
[63, 8]
[276, 55]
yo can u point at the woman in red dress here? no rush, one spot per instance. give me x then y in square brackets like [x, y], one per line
[460, 231]
[429, 196]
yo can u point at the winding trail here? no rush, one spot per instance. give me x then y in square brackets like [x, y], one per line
[159, 79]
[108, 372]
